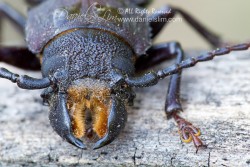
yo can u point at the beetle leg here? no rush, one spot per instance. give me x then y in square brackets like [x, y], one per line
[46, 95]
[188, 132]
[17, 56]
[170, 13]
[20, 57]
[34, 2]
[141, 3]
[173, 104]
[155, 55]
[116, 122]
[25, 82]
[13, 15]
[60, 120]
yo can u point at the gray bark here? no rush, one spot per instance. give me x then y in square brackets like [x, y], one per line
[215, 96]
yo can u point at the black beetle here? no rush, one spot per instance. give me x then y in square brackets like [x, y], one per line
[89, 57]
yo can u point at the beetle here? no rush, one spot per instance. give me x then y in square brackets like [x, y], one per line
[89, 57]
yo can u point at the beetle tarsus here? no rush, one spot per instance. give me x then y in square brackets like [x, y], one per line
[188, 132]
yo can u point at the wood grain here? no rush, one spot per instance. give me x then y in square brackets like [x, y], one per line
[216, 98]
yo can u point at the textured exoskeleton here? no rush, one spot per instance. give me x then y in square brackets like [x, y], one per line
[91, 49]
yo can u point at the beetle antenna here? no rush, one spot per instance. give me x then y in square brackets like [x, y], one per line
[152, 78]
[190, 62]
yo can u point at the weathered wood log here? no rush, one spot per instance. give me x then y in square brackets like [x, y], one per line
[216, 98]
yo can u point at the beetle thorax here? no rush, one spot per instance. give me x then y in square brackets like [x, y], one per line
[87, 53]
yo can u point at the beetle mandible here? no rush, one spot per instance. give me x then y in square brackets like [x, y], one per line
[89, 56]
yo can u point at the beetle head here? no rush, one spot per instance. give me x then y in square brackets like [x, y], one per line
[87, 104]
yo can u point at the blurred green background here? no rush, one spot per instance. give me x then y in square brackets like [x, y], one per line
[228, 18]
